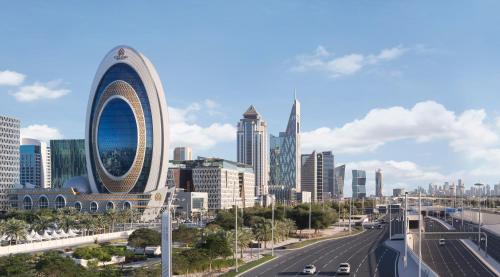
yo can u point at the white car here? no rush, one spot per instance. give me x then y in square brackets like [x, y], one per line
[442, 242]
[309, 269]
[344, 268]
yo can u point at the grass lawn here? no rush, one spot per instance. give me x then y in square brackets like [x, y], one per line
[310, 241]
[249, 266]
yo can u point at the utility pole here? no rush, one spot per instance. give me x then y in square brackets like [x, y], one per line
[350, 214]
[404, 230]
[479, 219]
[390, 221]
[272, 229]
[419, 233]
[310, 214]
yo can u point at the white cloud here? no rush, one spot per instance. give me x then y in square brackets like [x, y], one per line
[37, 91]
[11, 78]
[184, 130]
[41, 132]
[424, 122]
[324, 61]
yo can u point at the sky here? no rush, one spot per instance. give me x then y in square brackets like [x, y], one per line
[411, 87]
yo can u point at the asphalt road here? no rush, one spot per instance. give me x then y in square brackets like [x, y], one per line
[364, 252]
[451, 259]
[493, 240]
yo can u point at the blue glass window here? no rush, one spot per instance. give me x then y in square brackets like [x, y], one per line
[117, 137]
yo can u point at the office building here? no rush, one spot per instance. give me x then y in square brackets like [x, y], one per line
[358, 184]
[339, 173]
[9, 158]
[35, 166]
[317, 175]
[183, 154]
[252, 145]
[68, 160]
[288, 159]
[126, 144]
[225, 181]
[398, 192]
[378, 183]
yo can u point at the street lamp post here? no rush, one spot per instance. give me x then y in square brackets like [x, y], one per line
[419, 233]
[310, 215]
[404, 230]
[272, 228]
[350, 214]
[390, 221]
[479, 219]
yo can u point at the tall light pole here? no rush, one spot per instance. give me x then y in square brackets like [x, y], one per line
[404, 230]
[166, 236]
[350, 214]
[390, 220]
[272, 228]
[310, 215]
[479, 219]
[419, 233]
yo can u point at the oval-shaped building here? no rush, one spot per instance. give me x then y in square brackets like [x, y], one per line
[126, 144]
[126, 126]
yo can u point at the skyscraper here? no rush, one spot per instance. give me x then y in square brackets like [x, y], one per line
[287, 161]
[339, 173]
[67, 160]
[35, 166]
[9, 157]
[183, 154]
[358, 184]
[317, 175]
[252, 145]
[378, 183]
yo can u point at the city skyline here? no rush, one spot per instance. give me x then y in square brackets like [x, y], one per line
[446, 126]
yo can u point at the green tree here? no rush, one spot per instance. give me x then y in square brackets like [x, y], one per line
[113, 217]
[215, 246]
[186, 235]
[226, 219]
[52, 264]
[15, 229]
[20, 265]
[263, 231]
[42, 221]
[144, 237]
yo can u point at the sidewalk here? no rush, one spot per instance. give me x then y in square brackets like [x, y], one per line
[489, 222]
[491, 263]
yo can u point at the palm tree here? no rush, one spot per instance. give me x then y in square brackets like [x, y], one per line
[42, 222]
[101, 223]
[262, 231]
[113, 217]
[15, 229]
[245, 237]
[87, 223]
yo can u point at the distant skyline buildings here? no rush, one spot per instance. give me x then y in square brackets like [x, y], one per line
[252, 148]
[378, 183]
[9, 157]
[286, 156]
[317, 175]
[183, 153]
[358, 184]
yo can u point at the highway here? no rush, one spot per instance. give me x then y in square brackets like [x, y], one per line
[364, 252]
[451, 259]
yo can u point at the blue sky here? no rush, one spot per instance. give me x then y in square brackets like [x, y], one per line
[408, 86]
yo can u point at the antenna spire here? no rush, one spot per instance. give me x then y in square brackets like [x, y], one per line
[295, 94]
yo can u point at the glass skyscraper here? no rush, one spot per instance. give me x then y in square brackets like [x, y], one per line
[286, 158]
[67, 160]
[339, 173]
[378, 183]
[358, 184]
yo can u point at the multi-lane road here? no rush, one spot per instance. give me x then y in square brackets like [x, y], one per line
[451, 259]
[366, 254]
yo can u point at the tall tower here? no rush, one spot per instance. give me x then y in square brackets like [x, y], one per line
[35, 164]
[252, 145]
[287, 163]
[378, 183]
[9, 157]
[358, 184]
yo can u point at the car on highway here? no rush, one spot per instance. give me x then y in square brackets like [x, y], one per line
[344, 268]
[442, 242]
[309, 269]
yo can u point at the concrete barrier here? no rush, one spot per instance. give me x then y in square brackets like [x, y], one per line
[61, 243]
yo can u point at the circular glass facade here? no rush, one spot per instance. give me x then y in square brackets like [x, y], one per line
[117, 137]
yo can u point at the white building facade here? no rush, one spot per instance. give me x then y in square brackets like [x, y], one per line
[252, 148]
[9, 157]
